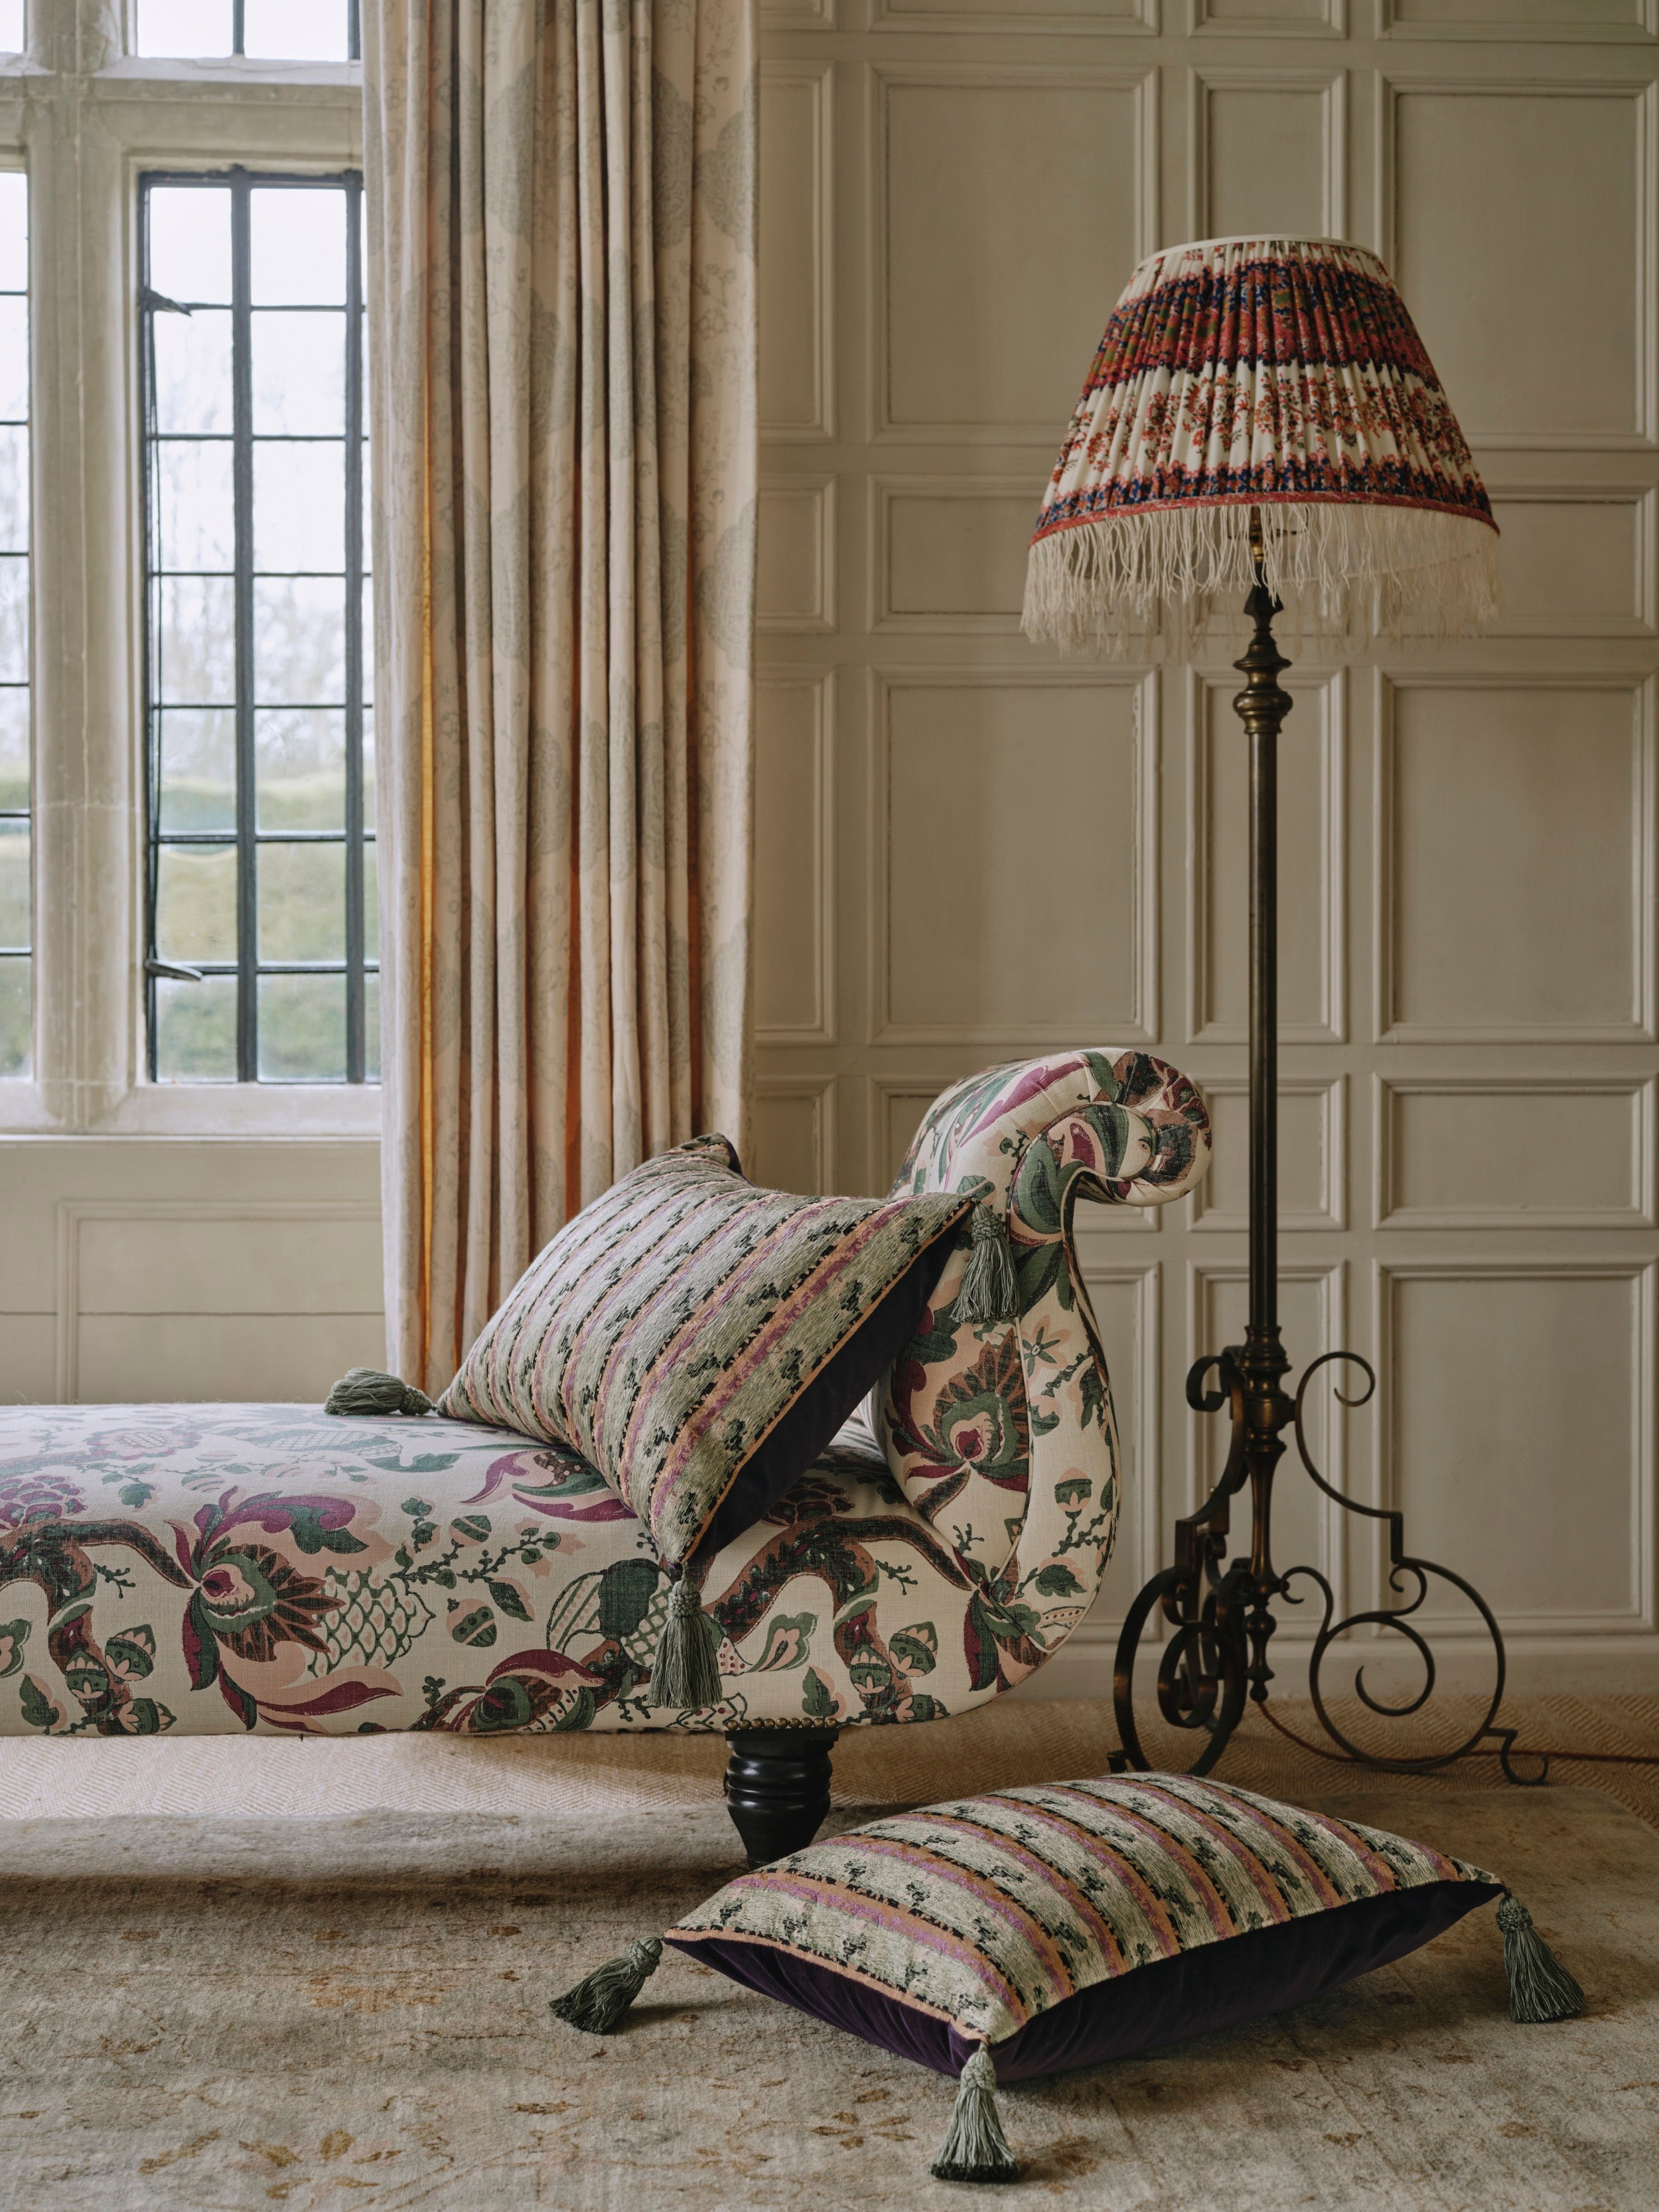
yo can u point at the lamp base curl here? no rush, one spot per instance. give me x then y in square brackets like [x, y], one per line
[1219, 1616]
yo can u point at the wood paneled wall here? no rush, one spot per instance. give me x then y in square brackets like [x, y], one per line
[969, 850]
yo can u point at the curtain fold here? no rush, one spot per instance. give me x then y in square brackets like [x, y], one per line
[560, 202]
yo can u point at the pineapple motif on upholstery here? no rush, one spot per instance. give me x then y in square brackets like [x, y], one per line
[1002, 1433]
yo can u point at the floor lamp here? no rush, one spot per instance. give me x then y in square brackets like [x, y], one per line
[1261, 418]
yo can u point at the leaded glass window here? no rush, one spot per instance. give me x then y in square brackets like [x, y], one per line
[262, 30]
[262, 957]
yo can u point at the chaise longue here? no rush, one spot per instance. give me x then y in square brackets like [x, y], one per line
[217, 1568]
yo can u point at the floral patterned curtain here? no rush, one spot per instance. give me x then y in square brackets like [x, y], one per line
[562, 313]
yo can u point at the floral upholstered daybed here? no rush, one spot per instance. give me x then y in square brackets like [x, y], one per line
[211, 1568]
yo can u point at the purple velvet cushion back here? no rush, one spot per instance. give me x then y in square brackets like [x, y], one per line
[1075, 1923]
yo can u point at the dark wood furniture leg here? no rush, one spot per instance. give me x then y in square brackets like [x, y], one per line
[777, 1788]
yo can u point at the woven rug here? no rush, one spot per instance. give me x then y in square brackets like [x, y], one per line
[227, 2014]
[1012, 1741]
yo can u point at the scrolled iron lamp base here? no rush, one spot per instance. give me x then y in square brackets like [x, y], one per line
[1221, 1614]
[1214, 1663]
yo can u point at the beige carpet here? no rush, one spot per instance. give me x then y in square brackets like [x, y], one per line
[1012, 1741]
[241, 1972]
[228, 2014]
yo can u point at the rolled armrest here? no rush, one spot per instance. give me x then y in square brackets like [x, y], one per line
[1127, 1127]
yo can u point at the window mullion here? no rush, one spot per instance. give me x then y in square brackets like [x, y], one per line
[247, 882]
[354, 642]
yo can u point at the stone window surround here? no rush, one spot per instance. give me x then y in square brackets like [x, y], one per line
[86, 119]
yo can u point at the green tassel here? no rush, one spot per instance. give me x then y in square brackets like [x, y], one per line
[988, 1293]
[598, 2001]
[365, 1390]
[685, 1675]
[1541, 1987]
[975, 2147]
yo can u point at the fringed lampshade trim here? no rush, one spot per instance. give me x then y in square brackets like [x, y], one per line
[1145, 584]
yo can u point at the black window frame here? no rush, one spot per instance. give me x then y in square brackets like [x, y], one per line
[247, 837]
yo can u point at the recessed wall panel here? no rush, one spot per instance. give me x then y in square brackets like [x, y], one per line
[1011, 212]
[1515, 846]
[1310, 1152]
[1306, 17]
[1577, 372]
[1013, 14]
[792, 839]
[1515, 1405]
[1015, 837]
[788, 1141]
[137, 1359]
[1494, 1152]
[1265, 159]
[951, 555]
[794, 250]
[898, 1110]
[794, 557]
[1577, 564]
[218, 1261]
[1517, 19]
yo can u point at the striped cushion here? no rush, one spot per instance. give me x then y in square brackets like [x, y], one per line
[1077, 1921]
[699, 1341]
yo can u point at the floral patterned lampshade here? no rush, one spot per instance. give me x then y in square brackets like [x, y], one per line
[1277, 376]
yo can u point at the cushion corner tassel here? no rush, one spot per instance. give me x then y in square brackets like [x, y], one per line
[598, 2002]
[975, 2147]
[366, 1390]
[1541, 1987]
[989, 1291]
[685, 1675]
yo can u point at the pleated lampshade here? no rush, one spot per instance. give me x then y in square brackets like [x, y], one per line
[1278, 376]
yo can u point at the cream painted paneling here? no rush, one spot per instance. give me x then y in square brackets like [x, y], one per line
[1539, 322]
[794, 857]
[164, 1268]
[796, 373]
[1520, 19]
[895, 1110]
[792, 1142]
[1312, 1138]
[945, 556]
[795, 555]
[1030, 16]
[1577, 562]
[1303, 116]
[1475, 1355]
[1281, 18]
[128, 1358]
[1489, 1151]
[980, 780]
[972, 850]
[979, 309]
[1540, 927]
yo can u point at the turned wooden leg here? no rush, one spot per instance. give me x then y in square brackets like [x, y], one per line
[777, 1788]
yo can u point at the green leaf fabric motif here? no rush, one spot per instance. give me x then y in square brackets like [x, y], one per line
[14, 1634]
[626, 1589]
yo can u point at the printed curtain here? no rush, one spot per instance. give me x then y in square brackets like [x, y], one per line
[562, 342]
